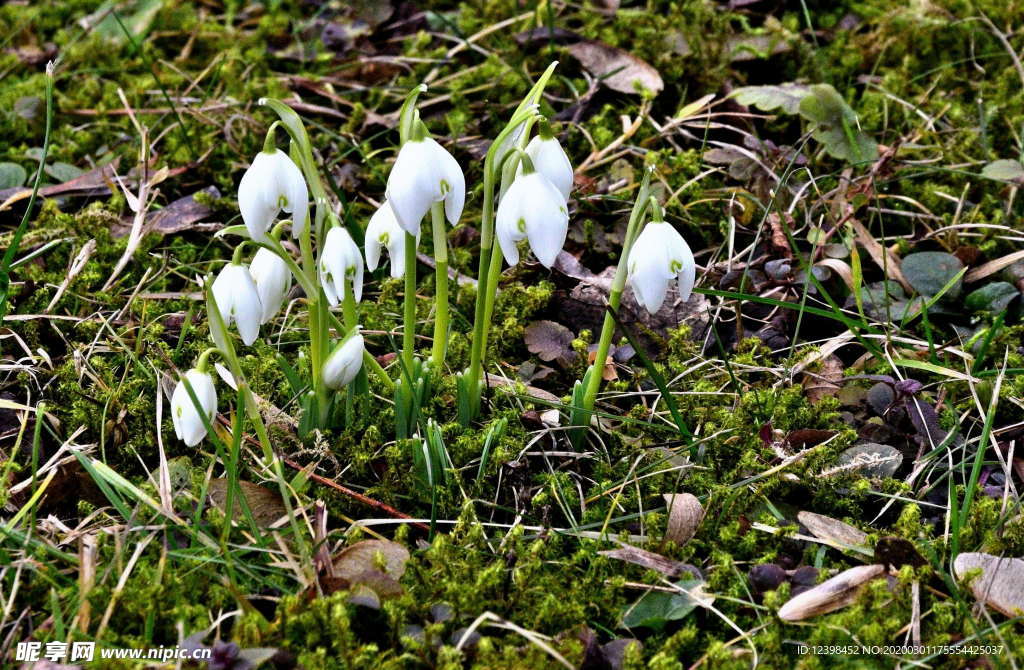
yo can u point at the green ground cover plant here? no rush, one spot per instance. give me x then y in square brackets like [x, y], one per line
[509, 334]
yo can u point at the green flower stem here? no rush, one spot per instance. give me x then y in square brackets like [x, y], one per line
[269, 143]
[236, 255]
[409, 320]
[643, 201]
[487, 248]
[201, 362]
[227, 349]
[440, 285]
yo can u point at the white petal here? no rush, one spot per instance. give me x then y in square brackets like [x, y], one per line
[510, 220]
[188, 423]
[455, 181]
[649, 267]
[548, 222]
[550, 160]
[413, 185]
[292, 186]
[257, 196]
[372, 246]
[248, 312]
[688, 275]
[396, 252]
[340, 255]
[344, 363]
[273, 281]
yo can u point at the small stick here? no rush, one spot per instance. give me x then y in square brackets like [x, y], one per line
[376, 504]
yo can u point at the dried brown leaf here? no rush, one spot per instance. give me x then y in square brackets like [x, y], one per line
[1001, 583]
[832, 530]
[649, 560]
[824, 384]
[266, 505]
[830, 595]
[684, 516]
[617, 69]
[550, 341]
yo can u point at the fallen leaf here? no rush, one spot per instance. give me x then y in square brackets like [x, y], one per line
[266, 505]
[895, 552]
[1006, 169]
[786, 97]
[533, 391]
[369, 570]
[545, 35]
[832, 530]
[94, 182]
[684, 516]
[550, 341]
[877, 461]
[830, 595]
[181, 215]
[1001, 583]
[352, 561]
[801, 438]
[617, 69]
[651, 561]
[824, 384]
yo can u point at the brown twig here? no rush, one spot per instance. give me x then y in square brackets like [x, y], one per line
[376, 504]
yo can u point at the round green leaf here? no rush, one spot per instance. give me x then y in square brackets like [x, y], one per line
[929, 271]
[994, 297]
[12, 175]
[63, 172]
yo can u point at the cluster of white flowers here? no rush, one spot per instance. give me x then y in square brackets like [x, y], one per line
[534, 207]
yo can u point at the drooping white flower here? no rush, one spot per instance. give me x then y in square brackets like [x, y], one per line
[424, 173]
[534, 209]
[550, 160]
[238, 300]
[344, 363]
[385, 231]
[188, 423]
[272, 183]
[273, 281]
[659, 255]
[340, 262]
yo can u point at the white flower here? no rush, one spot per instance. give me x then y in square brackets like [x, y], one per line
[385, 231]
[424, 173]
[273, 281]
[534, 209]
[659, 255]
[273, 182]
[550, 160]
[188, 423]
[344, 363]
[238, 300]
[340, 260]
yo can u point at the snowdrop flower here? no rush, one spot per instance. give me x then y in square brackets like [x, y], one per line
[424, 173]
[273, 182]
[534, 209]
[238, 300]
[385, 231]
[273, 281]
[340, 260]
[344, 363]
[659, 255]
[550, 160]
[188, 423]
